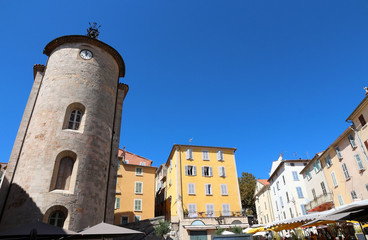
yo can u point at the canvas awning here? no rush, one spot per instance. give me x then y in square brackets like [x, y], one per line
[106, 230]
[38, 229]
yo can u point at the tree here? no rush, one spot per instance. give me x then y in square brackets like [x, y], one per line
[162, 228]
[247, 185]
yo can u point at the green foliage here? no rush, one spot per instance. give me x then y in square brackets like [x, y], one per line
[219, 231]
[162, 228]
[298, 233]
[236, 229]
[247, 187]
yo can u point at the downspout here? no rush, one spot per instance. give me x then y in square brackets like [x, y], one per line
[181, 182]
[111, 149]
[20, 150]
[352, 126]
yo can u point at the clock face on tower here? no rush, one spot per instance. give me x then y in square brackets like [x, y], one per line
[86, 54]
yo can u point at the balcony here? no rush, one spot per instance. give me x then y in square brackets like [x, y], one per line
[321, 203]
[212, 214]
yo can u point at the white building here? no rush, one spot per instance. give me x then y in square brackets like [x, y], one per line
[288, 192]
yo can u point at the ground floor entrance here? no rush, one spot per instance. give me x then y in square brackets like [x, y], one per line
[198, 235]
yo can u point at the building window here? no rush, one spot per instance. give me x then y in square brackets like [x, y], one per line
[75, 119]
[139, 171]
[117, 203]
[295, 176]
[318, 165]
[265, 205]
[338, 152]
[57, 219]
[208, 189]
[124, 219]
[281, 202]
[353, 195]
[138, 187]
[143, 164]
[323, 188]
[352, 140]
[277, 185]
[283, 179]
[334, 181]
[328, 161]
[291, 213]
[341, 201]
[137, 204]
[309, 175]
[366, 187]
[222, 171]
[137, 218]
[359, 162]
[226, 209]
[362, 120]
[277, 206]
[126, 161]
[287, 197]
[207, 172]
[300, 192]
[210, 210]
[220, 155]
[192, 210]
[345, 170]
[223, 188]
[302, 207]
[292, 164]
[274, 192]
[190, 170]
[64, 173]
[191, 188]
[205, 155]
[314, 193]
[189, 153]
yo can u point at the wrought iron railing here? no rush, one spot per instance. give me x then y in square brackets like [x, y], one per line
[324, 198]
[213, 214]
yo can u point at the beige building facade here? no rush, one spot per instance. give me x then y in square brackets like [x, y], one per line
[264, 208]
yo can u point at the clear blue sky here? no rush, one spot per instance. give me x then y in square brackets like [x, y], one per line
[263, 76]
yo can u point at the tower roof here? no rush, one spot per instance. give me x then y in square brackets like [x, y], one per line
[85, 39]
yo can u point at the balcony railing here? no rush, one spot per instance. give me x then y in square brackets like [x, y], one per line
[213, 214]
[324, 198]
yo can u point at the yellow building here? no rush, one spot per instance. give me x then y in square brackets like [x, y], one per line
[202, 190]
[135, 189]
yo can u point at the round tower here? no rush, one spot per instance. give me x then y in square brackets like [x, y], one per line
[62, 169]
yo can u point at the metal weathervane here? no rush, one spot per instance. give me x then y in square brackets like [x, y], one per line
[92, 31]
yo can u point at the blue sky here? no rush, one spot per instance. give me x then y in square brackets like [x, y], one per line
[266, 77]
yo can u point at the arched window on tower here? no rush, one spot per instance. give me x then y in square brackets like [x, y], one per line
[75, 119]
[57, 219]
[64, 173]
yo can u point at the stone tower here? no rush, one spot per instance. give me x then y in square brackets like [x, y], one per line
[62, 169]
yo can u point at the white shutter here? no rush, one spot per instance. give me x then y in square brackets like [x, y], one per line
[186, 170]
[203, 171]
[210, 210]
[220, 155]
[194, 171]
[189, 153]
[226, 209]
[223, 172]
[224, 189]
[359, 162]
[210, 171]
